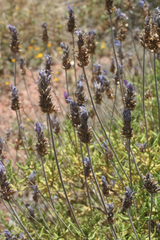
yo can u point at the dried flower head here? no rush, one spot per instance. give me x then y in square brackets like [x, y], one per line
[149, 184]
[110, 218]
[8, 133]
[108, 152]
[35, 193]
[48, 62]
[145, 8]
[87, 167]
[22, 66]
[80, 94]
[96, 72]
[32, 178]
[142, 146]
[74, 112]
[109, 7]
[128, 4]
[71, 24]
[31, 213]
[44, 88]
[128, 199]
[91, 41]
[127, 130]
[15, 104]
[136, 71]
[105, 186]
[98, 94]
[148, 94]
[18, 142]
[42, 143]
[82, 52]
[8, 235]
[55, 124]
[65, 58]
[129, 97]
[45, 33]
[113, 66]
[116, 77]
[14, 45]
[6, 192]
[84, 131]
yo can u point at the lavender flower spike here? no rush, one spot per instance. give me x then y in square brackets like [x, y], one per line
[7, 234]
[83, 115]
[1, 169]
[38, 128]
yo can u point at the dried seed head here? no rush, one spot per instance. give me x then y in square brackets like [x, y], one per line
[82, 52]
[80, 94]
[45, 33]
[6, 192]
[108, 152]
[18, 142]
[105, 186]
[116, 77]
[48, 62]
[84, 131]
[87, 167]
[32, 178]
[148, 94]
[35, 193]
[65, 58]
[15, 104]
[113, 66]
[22, 66]
[110, 218]
[136, 71]
[98, 92]
[128, 4]
[55, 124]
[42, 143]
[145, 8]
[149, 184]
[128, 199]
[8, 133]
[129, 97]
[142, 146]
[31, 213]
[14, 45]
[109, 7]
[91, 41]
[71, 24]
[96, 72]
[44, 88]
[74, 112]
[127, 130]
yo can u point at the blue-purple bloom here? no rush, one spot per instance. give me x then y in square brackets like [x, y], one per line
[66, 96]
[12, 29]
[44, 25]
[7, 234]
[1, 169]
[45, 77]
[92, 32]
[70, 10]
[38, 128]
[83, 115]
[117, 43]
[141, 3]
[32, 177]
[1, 145]
[14, 92]
[126, 115]
[128, 192]
[118, 12]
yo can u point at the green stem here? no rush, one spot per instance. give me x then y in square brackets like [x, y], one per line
[150, 216]
[134, 230]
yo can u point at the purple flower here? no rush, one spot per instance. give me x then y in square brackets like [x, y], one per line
[44, 25]
[22, 62]
[48, 59]
[97, 67]
[14, 91]
[118, 12]
[128, 85]
[7, 234]
[12, 28]
[45, 77]
[32, 177]
[70, 10]
[128, 192]
[66, 96]
[83, 115]
[117, 43]
[111, 207]
[1, 169]
[126, 115]
[1, 145]
[105, 71]
[38, 128]
[92, 32]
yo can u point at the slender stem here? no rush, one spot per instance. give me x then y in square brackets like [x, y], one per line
[156, 90]
[67, 82]
[114, 103]
[61, 179]
[15, 70]
[19, 221]
[75, 72]
[103, 125]
[129, 159]
[115, 55]
[134, 230]
[98, 188]
[39, 210]
[135, 48]
[85, 177]
[150, 216]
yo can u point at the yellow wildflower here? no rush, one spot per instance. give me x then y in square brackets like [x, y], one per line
[8, 76]
[32, 41]
[60, 26]
[103, 45]
[28, 119]
[30, 47]
[6, 83]
[36, 48]
[57, 72]
[13, 60]
[17, 8]
[49, 44]
[40, 55]
[29, 52]
[56, 79]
